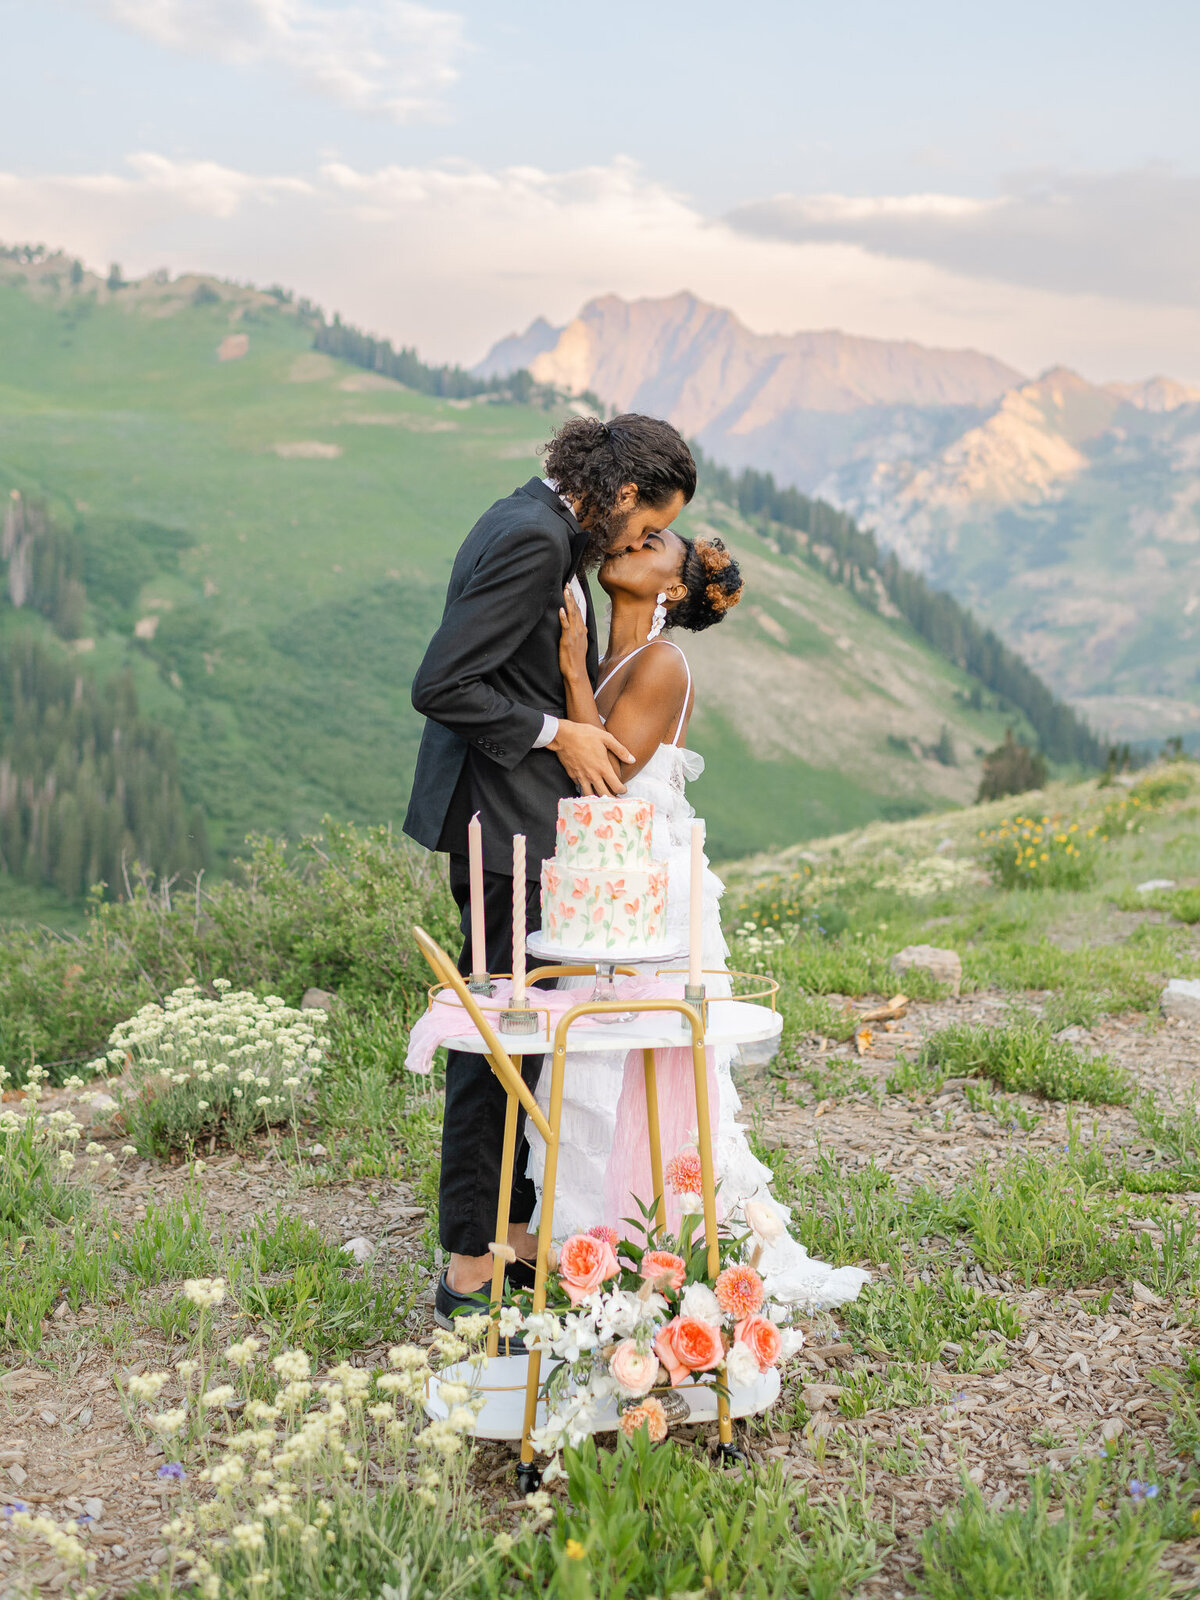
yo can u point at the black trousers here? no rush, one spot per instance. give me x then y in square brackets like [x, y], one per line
[473, 1123]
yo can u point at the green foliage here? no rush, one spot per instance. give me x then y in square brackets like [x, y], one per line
[324, 1307]
[1075, 1550]
[337, 914]
[1041, 1219]
[88, 786]
[338, 338]
[646, 1521]
[170, 1241]
[199, 1067]
[1041, 853]
[1025, 1057]
[32, 1164]
[284, 1243]
[1011, 768]
[918, 1321]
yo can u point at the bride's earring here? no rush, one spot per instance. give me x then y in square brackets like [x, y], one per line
[660, 616]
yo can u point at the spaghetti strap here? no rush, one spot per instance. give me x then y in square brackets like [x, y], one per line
[624, 662]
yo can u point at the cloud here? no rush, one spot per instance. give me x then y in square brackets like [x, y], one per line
[387, 56]
[1130, 235]
[451, 256]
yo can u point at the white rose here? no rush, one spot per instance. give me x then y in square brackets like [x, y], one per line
[741, 1368]
[700, 1302]
[691, 1205]
[763, 1221]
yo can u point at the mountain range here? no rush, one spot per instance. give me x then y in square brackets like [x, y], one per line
[1063, 511]
[253, 536]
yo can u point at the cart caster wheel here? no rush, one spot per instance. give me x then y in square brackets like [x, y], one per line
[731, 1456]
[529, 1477]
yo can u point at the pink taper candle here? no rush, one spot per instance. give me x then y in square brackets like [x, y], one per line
[696, 907]
[479, 964]
[518, 988]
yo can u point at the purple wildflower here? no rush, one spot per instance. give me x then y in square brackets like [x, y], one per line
[1139, 1491]
[172, 1469]
[17, 1505]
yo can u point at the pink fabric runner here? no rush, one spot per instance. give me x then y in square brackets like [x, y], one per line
[628, 1173]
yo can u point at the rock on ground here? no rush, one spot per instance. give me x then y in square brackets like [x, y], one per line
[1181, 998]
[943, 966]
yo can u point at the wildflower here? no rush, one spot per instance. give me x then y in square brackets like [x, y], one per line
[148, 1385]
[574, 1550]
[1139, 1492]
[168, 1421]
[292, 1364]
[172, 1469]
[504, 1544]
[205, 1292]
[241, 1355]
[219, 1395]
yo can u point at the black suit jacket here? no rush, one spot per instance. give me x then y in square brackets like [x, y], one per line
[489, 675]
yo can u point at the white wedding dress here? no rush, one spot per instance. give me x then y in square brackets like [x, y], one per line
[593, 1083]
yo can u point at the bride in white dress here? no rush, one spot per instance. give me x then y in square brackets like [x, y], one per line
[645, 696]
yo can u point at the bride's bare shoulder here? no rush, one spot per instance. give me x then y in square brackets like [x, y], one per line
[660, 664]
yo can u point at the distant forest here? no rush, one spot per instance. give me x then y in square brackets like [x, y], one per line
[89, 786]
[832, 540]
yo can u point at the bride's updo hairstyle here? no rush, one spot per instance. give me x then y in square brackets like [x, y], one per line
[714, 584]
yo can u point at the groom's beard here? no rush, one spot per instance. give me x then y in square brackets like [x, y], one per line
[606, 537]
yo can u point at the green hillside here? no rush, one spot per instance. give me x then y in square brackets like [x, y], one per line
[263, 535]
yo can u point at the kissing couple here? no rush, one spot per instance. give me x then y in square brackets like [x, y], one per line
[523, 711]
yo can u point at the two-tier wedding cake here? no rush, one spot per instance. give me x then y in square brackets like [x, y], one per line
[602, 890]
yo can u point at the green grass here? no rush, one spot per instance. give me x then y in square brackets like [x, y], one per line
[918, 1321]
[1026, 1058]
[1075, 1548]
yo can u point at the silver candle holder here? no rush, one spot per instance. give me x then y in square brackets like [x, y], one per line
[481, 983]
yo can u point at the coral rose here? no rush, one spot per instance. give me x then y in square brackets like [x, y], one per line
[649, 1415]
[635, 1370]
[688, 1345]
[663, 1264]
[740, 1291]
[762, 1339]
[583, 1265]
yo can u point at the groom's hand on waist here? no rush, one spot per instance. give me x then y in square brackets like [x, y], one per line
[590, 755]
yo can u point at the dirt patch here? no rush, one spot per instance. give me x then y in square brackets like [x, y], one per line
[308, 450]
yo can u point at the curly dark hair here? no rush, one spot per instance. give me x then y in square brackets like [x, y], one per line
[714, 584]
[590, 460]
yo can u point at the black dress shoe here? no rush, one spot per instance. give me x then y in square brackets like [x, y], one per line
[448, 1304]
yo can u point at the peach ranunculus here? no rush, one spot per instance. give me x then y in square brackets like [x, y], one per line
[636, 1371]
[762, 1339]
[663, 1264]
[650, 1415]
[688, 1345]
[584, 1264]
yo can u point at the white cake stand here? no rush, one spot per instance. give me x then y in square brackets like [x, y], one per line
[606, 966]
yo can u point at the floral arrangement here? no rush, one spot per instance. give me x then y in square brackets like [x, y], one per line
[199, 1066]
[625, 1317]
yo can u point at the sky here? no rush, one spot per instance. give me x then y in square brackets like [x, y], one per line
[1023, 179]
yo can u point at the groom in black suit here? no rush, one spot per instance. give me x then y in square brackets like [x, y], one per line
[498, 742]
